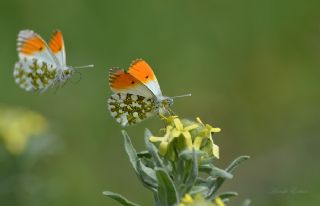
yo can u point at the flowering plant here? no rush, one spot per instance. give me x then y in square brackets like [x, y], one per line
[178, 167]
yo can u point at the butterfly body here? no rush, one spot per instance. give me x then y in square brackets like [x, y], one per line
[137, 94]
[40, 65]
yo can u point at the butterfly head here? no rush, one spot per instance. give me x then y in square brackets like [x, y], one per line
[165, 101]
[68, 71]
[65, 74]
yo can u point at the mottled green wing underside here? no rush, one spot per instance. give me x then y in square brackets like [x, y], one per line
[129, 109]
[34, 75]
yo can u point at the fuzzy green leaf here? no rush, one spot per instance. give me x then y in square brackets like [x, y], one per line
[156, 199]
[147, 176]
[217, 184]
[207, 160]
[153, 150]
[206, 168]
[131, 152]
[227, 195]
[191, 173]
[188, 154]
[236, 163]
[198, 189]
[119, 198]
[205, 181]
[134, 160]
[144, 154]
[167, 193]
[217, 172]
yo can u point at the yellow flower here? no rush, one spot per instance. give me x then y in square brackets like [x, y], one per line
[219, 202]
[185, 131]
[168, 120]
[192, 135]
[174, 130]
[17, 126]
[199, 200]
[187, 199]
[164, 141]
[207, 133]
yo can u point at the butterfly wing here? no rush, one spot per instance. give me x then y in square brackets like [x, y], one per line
[34, 74]
[31, 45]
[141, 70]
[56, 45]
[129, 109]
[135, 91]
[37, 68]
[121, 81]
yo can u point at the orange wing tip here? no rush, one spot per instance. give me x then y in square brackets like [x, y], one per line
[136, 61]
[142, 71]
[56, 43]
[29, 42]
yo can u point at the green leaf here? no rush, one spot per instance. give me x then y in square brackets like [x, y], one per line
[205, 181]
[217, 172]
[167, 193]
[191, 173]
[236, 163]
[205, 168]
[141, 169]
[147, 176]
[207, 160]
[153, 150]
[227, 195]
[119, 198]
[188, 154]
[156, 199]
[144, 154]
[217, 184]
[198, 189]
[131, 152]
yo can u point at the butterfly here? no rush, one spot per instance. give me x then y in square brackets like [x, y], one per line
[137, 94]
[41, 65]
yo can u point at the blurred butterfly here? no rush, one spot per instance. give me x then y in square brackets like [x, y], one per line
[40, 65]
[137, 94]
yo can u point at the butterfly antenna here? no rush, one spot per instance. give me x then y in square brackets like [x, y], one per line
[86, 66]
[185, 95]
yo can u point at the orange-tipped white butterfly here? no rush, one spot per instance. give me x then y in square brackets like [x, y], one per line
[40, 65]
[137, 94]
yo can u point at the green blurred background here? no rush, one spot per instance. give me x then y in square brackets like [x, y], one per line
[252, 68]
